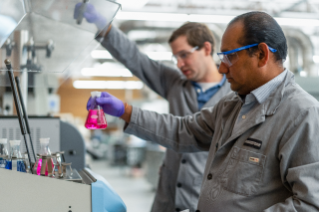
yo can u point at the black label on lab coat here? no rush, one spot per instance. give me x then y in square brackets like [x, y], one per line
[253, 143]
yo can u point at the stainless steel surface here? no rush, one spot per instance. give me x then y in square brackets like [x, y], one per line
[19, 189]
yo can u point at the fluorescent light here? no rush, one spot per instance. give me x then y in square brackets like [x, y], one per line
[147, 16]
[303, 73]
[159, 55]
[218, 19]
[99, 72]
[81, 84]
[103, 54]
[174, 17]
[315, 58]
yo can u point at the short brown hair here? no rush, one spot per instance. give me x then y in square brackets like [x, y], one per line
[197, 34]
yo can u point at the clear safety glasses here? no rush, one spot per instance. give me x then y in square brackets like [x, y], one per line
[183, 54]
[230, 57]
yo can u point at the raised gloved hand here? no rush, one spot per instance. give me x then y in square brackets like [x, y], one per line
[110, 104]
[90, 14]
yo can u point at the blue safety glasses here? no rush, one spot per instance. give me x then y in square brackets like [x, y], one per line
[230, 57]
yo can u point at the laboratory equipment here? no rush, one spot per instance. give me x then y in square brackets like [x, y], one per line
[4, 155]
[63, 136]
[16, 157]
[67, 170]
[91, 194]
[57, 160]
[96, 118]
[44, 164]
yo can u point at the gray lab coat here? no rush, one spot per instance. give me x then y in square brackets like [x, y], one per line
[169, 83]
[283, 175]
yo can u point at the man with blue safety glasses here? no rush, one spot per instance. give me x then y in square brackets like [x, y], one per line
[262, 138]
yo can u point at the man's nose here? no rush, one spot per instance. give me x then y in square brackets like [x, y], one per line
[223, 68]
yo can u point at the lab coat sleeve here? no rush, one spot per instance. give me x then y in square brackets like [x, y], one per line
[299, 164]
[156, 75]
[182, 134]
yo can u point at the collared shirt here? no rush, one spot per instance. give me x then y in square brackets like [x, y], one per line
[204, 96]
[257, 96]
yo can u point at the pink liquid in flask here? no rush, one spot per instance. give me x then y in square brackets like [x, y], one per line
[46, 167]
[96, 119]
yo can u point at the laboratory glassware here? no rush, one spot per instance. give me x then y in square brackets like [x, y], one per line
[16, 157]
[96, 118]
[4, 154]
[57, 160]
[44, 164]
[67, 170]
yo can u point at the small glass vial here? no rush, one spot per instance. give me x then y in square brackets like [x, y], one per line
[16, 157]
[96, 118]
[4, 154]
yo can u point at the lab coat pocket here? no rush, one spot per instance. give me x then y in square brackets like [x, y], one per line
[243, 172]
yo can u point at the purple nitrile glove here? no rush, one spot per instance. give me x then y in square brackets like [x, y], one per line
[110, 104]
[91, 15]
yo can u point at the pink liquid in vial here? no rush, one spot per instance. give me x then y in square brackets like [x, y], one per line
[46, 168]
[96, 120]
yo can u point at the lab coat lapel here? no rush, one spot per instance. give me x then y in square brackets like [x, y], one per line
[256, 116]
[230, 111]
[191, 98]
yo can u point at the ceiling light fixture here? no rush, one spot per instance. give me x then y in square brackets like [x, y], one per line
[178, 17]
[87, 84]
[103, 54]
[100, 72]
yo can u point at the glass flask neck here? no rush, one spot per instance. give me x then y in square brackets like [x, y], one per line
[45, 150]
[15, 151]
[94, 105]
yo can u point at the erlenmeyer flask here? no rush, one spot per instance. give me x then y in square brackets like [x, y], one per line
[16, 157]
[96, 118]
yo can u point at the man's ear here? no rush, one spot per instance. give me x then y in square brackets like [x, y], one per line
[263, 54]
[207, 47]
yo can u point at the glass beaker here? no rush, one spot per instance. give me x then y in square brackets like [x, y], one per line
[57, 160]
[16, 157]
[67, 170]
[4, 154]
[96, 118]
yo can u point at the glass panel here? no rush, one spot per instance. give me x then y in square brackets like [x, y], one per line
[11, 13]
[48, 39]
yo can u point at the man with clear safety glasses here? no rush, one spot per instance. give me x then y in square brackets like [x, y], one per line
[194, 85]
[263, 138]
